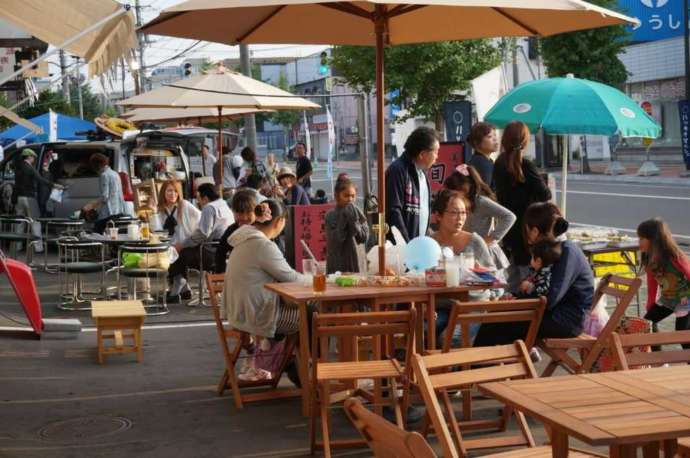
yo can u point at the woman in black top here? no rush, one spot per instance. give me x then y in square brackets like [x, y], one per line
[518, 184]
[484, 142]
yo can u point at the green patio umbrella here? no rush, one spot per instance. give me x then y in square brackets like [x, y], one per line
[572, 106]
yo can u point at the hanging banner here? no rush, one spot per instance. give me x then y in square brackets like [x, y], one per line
[309, 226]
[450, 155]
[307, 135]
[331, 144]
[458, 121]
[684, 113]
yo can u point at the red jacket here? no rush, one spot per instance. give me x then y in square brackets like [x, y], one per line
[683, 266]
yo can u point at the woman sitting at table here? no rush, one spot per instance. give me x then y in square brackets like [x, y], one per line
[451, 213]
[178, 217]
[255, 260]
[571, 290]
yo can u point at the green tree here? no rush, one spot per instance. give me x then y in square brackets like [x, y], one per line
[91, 103]
[589, 54]
[47, 100]
[423, 76]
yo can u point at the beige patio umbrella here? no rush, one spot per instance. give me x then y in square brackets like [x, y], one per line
[376, 23]
[219, 89]
[200, 115]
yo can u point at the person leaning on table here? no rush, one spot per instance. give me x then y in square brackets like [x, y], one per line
[111, 202]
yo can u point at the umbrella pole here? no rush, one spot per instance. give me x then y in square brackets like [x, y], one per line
[380, 27]
[220, 148]
[564, 172]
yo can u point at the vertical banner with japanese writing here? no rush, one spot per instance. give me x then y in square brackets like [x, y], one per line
[53, 126]
[450, 155]
[684, 113]
[307, 136]
[331, 145]
[309, 224]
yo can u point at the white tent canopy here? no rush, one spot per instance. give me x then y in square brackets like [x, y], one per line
[56, 21]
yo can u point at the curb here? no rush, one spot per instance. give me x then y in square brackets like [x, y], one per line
[627, 179]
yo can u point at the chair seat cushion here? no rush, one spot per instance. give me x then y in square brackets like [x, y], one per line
[135, 272]
[82, 267]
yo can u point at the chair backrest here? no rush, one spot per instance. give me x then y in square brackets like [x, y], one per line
[385, 439]
[215, 283]
[385, 325]
[623, 360]
[437, 373]
[622, 290]
[518, 310]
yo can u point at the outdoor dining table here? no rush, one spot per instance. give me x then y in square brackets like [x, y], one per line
[375, 296]
[61, 227]
[622, 410]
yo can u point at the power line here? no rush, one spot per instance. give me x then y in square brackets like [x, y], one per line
[177, 56]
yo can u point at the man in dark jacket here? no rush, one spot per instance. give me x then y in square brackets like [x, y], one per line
[408, 195]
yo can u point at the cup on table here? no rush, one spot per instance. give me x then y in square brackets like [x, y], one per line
[319, 277]
[112, 232]
[308, 267]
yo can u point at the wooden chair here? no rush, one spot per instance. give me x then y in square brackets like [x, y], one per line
[232, 342]
[590, 348]
[437, 374]
[512, 311]
[625, 359]
[516, 310]
[385, 439]
[382, 327]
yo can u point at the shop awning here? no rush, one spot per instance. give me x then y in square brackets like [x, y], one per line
[55, 21]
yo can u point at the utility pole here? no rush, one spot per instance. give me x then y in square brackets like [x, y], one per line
[77, 77]
[249, 120]
[65, 76]
[140, 39]
[123, 78]
[514, 55]
[363, 130]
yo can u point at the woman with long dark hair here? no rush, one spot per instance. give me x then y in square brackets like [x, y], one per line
[485, 217]
[518, 185]
[572, 283]
[484, 143]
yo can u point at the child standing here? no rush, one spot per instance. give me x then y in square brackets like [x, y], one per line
[346, 227]
[544, 254]
[668, 269]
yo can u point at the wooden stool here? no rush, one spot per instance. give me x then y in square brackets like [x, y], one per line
[112, 319]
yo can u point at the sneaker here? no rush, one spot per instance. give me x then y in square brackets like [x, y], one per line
[534, 355]
[186, 294]
[414, 414]
[172, 298]
[254, 375]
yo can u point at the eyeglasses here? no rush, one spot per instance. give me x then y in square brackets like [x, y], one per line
[457, 213]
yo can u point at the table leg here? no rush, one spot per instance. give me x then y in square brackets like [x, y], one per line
[419, 331]
[670, 448]
[651, 449]
[431, 322]
[304, 356]
[559, 444]
[622, 451]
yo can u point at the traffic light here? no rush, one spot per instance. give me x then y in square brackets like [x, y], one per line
[187, 69]
[323, 65]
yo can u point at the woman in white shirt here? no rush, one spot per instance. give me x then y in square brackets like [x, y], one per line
[175, 215]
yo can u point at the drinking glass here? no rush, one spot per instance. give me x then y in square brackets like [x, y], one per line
[319, 277]
[308, 268]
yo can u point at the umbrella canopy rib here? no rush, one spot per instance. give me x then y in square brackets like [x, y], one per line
[260, 24]
[530, 30]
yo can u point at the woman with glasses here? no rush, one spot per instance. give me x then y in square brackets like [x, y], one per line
[450, 212]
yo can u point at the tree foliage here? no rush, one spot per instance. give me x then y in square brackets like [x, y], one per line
[589, 54]
[422, 76]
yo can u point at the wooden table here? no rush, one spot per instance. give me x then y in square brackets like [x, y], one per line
[621, 410]
[112, 319]
[374, 296]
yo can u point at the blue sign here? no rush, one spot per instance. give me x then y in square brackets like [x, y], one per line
[458, 119]
[659, 19]
[684, 113]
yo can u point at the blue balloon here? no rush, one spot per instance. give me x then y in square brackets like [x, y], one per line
[422, 253]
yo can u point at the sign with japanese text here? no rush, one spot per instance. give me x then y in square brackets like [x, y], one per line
[310, 226]
[659, 19]
[450, 155]
[684, 113]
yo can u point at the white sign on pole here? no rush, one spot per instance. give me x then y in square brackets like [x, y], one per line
[331, 143]
[53, 126]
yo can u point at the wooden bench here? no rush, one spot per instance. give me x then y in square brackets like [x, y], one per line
[113, 320]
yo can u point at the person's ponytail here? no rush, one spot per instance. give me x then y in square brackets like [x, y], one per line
[560, 227]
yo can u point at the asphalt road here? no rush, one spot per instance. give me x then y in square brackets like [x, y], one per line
[611, 204]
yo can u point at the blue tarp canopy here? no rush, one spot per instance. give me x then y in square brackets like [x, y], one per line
[67, 127]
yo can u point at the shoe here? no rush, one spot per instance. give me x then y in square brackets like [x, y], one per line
[186, 294]
[172, 298]
[534, 355]
[292, 373]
